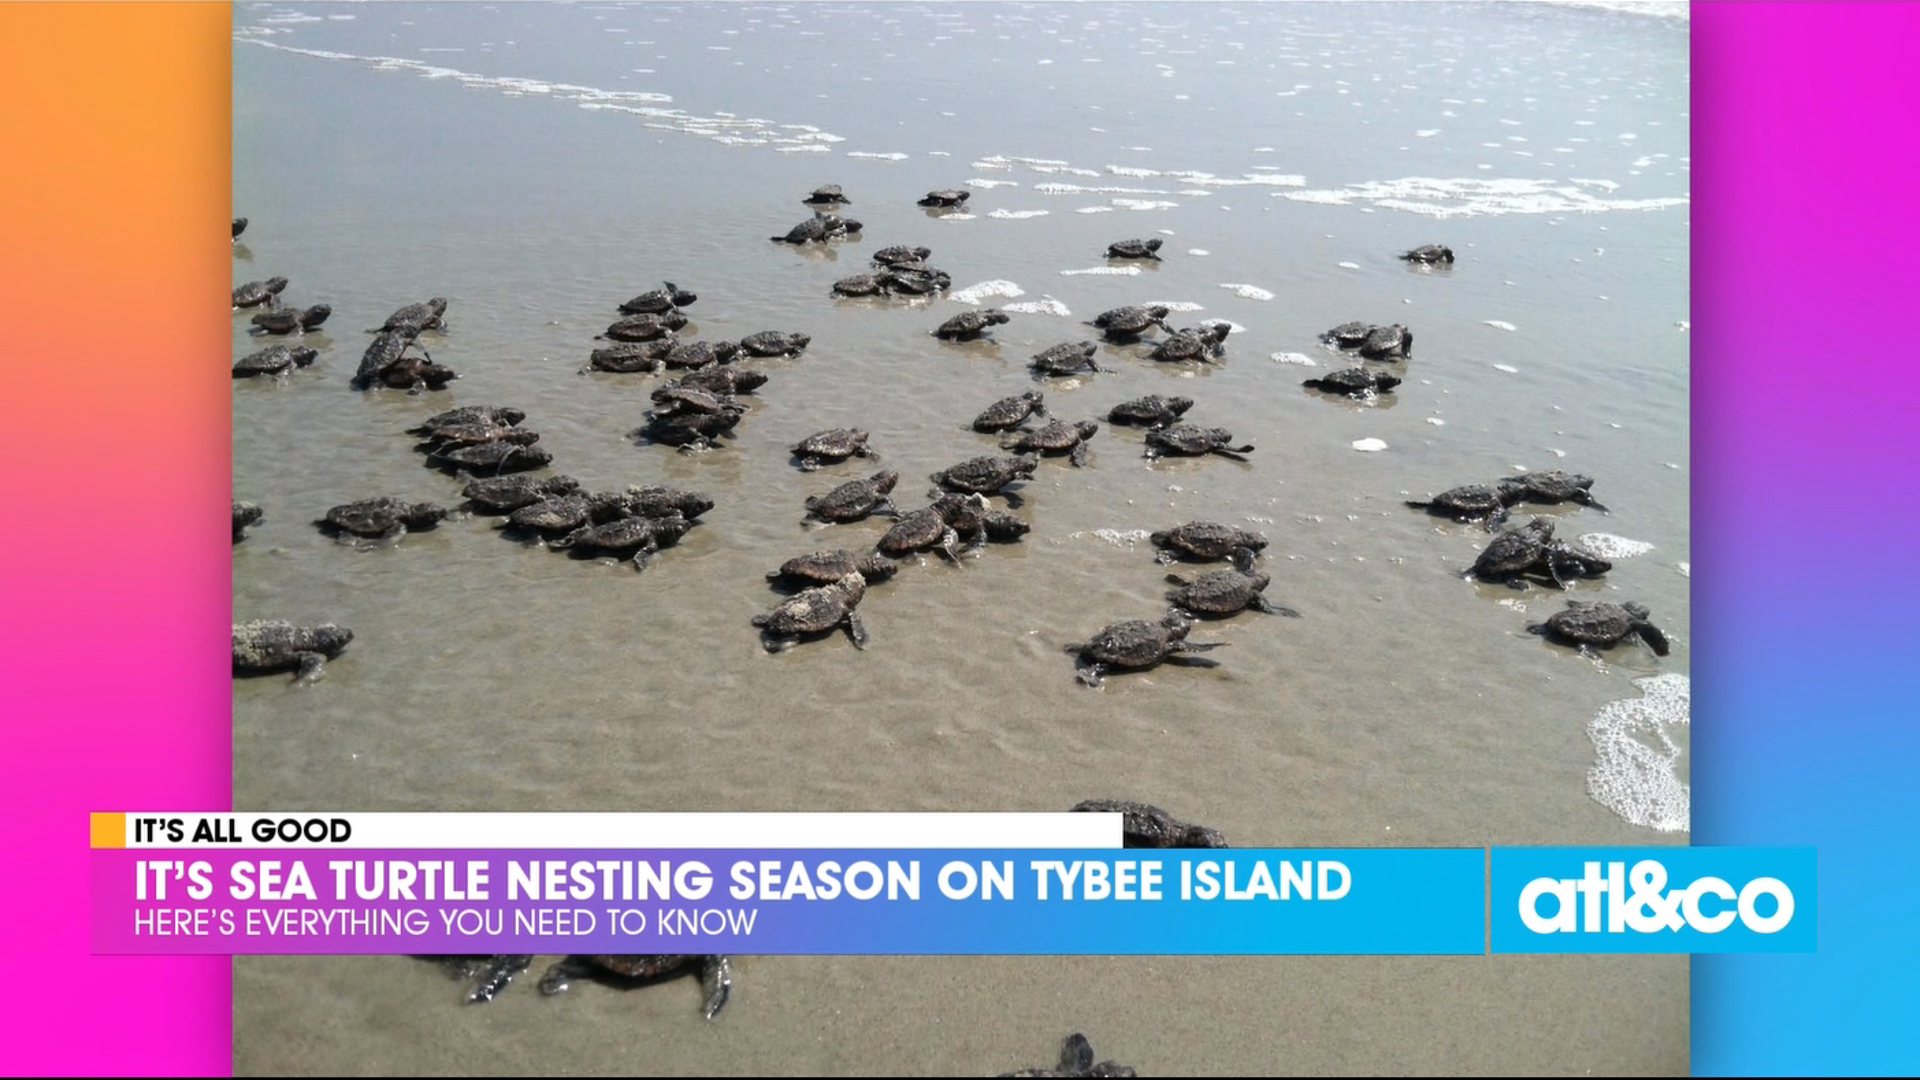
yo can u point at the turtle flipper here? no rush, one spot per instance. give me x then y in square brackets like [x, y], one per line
[716, 978]
[1090, 673]
[857, 631]
[1261, 603]
[499, 971]
[312, 666]
[1176, 648]
[1076, 1055]
[1655, 640]
[558, 978]
[1079, 455]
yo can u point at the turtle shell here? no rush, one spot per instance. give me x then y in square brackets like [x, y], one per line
[1514, 551]
[971, 323]
[827, 567]
[1221, 592]
[774, 343]
[701, 354]
[987, 474]
[377, 516]
[1153, 409]
[1602, 624]
[1009, 412]
[835, 444]
[255, 293]
[1058, 436]
[724, 380]
[645, 327]
[1208, 539]
[273, 360]
[1067, 358]
[1387, 342]
[658, 301]
[1134, 249]
[826, 195]
[854, 499]
[814, 610]
[505, 494]
[946, 197]
[1135, 643]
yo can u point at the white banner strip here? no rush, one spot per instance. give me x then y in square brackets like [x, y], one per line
[494, 831]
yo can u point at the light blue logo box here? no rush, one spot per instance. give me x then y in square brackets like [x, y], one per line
[1654, 899]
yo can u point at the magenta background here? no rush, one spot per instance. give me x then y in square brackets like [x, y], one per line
[1807, 178]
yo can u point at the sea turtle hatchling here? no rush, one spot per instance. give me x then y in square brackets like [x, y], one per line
[255, 293]
[1127, 323]
[1469, 502]
[415, 374]
[239, 226]
[1150, 411]
[1512, 554]
[265, 646]
[816, 611]
[1136, 644]
[449, 436]
[1354, 382]
[245, 514]
[1057, 437]
[1010, 412]
[769, 343]
[827, 567]
[1135, 249]
[632, 356]
[383, 352]
[1202, 343]
[969, 325]
[938, 526]
[1076, 1059]
[716, 974]
[505, 494]
[425, 315]
[855, 499]
[1226, 592]
[697, 355]
[649, 500]
[274, 360]
[1204, 540]
[693, 431]
[669, 297]
[1147, 826]
[291, 320]
[834, 445]
[1190, 441]
[1066, 358]
[645, 327]
[675, 398]
[827, 195]
[1602, 625]
[724, 380]
[455, 419]
[492, 458]
[1387, 343]
[859, 285]
[1548, 487]
[1429, 254]
[385, 517]
[1348, 335]
[641, 535]
[987, 474]
[946, 197]
[900, 253]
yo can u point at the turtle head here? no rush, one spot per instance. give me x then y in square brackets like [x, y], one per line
[438, 305]
[1178, 406]
[275, 284]
[679, 296]
[1087, 429]
[1024, 465]
[877, 568]
[996, 317]
[421, 515]
[331, 640]
[799, 341]
[1006, 527]
[1177, 623]
[314, 316]
[1540, 529]
[1217, 331]
[1637, 610]
[1039, 400]
[1242, 559]
[1154, 244]
[854, 586]
[884, 480]
[1199, 836]
[1159, 311]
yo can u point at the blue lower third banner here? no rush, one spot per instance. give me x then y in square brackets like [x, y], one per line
[918, 901]
[1664, 899]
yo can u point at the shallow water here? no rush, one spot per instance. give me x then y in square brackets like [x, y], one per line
[494, 158]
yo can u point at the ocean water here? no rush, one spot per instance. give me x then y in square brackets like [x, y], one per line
[539, 164]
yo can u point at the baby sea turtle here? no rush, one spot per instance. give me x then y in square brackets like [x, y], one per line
[1135, 249]
[820, 229]
[635, 356]
[265, 646]
[1226, 592]
[505, 494]
[1205, 540]
[1602, 625]
[900, 253]
[385, 351]
[969, 325]
[1152, 411]
[645, 327]
[669, 297]
[274, 360]
[775, 343]
[255, 293]
[1076, 1059]
[725, 380]
[1429, 254]
[1191, 441]
[986, 475]
[1129, 322]
[861, 285]
[1354, 382]
[815, 611]
[1470, 502]
[1193, 343]
[244, 514]
[1563, 561]
[641, 535]
[1151, 827]
[426, 315]
[239, 226]
[1548, 487]
[1010, 412]
[827, 195]
[414, 374]
[493, 458]
[1066, 358]
[1513, 553]
[693, 431]
[837, 444]
[827, 567]
[855, 499]
[555, 514]
[938, 525]
[1137, 644]
[385, 517]
[716, 974]
[288, 320]
[1387, 343]
[455, 419]
[946, 197]
[913, 279]
[655, 501]
[1348, 335]
[477, 432]
[679, 398]
[1057, 437]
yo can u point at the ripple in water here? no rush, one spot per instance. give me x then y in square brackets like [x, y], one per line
[1634, 773]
